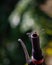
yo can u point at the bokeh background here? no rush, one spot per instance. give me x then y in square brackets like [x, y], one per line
[18, 17]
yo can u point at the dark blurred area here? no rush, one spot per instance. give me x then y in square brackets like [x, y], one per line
[11, 52]
[15, 22]
[6, 7]
[8, 45]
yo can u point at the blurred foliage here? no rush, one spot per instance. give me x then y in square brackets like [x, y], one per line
[16, 19]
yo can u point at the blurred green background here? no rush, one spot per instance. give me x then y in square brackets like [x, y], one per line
[18, 17]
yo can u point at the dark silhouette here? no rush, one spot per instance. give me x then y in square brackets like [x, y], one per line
[37, 57]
